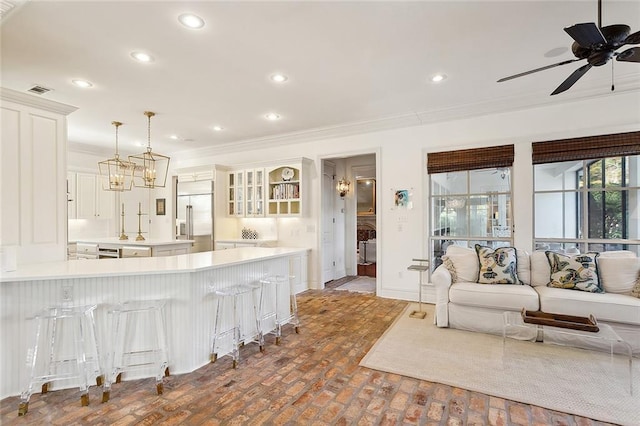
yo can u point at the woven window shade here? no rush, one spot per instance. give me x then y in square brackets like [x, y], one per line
[620, 144]
[470, 159]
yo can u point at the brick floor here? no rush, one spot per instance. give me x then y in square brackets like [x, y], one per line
[313, 378]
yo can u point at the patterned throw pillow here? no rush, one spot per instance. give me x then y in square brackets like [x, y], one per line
[497, 266]
[577, 272]
[636, 288]
[448, 264]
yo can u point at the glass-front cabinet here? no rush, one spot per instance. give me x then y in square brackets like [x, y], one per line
[255, 192]
[235, 193]
[245, 193]
[273, 190]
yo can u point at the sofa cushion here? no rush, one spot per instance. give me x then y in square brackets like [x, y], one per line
[618, 275]
[504, 297]
[497, 266]
[540, 270]
[604, 306]
[524, 269]
[577, 272]
[465, 262]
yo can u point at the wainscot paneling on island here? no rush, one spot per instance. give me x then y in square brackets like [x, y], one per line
[184, 282]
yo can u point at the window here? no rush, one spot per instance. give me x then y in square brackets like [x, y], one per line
[589, 203]
[470, 199]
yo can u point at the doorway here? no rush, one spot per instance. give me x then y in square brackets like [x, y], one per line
[350, 242]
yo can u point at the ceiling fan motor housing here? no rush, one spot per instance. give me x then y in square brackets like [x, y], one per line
[599, 54]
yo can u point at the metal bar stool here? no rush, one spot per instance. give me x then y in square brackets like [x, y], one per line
[138, 343]
[58, 329]
[235, 310]
[278, 302]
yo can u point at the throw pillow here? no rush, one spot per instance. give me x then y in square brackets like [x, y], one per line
[448, 264]
[636, 289]
[618, 274]
[577, 272]
[499, 266]
[465, 261]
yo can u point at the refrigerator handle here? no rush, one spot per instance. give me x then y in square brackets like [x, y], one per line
[189, 222]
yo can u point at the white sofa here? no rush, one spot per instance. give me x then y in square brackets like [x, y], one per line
[466, 305]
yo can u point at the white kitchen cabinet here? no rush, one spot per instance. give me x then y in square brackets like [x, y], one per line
[255, 192]
[277, 190]
[32, 175]
[71, 196]
[287, 189]
[246, 193]
[239, 243]
[93, 202]
[235, 193]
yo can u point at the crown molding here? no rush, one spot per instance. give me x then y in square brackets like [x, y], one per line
[494, 106]
[35, 101]
[530, 101]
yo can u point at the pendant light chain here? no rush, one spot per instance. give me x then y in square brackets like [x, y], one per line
[149, 114]
[117, 124]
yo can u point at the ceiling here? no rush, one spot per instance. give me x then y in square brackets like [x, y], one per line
[351, 66]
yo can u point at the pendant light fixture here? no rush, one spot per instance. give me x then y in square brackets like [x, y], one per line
[151, 168]
[117, 175]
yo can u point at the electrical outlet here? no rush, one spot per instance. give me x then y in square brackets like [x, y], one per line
[67, 293]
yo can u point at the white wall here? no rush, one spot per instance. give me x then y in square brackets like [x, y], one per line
[402, 165]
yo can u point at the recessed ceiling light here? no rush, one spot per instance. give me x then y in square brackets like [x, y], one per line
[218, 128]
[437, 78]
[272, 116]
[142, 57]
[279, 78]
[174, 137]
[190, 20]
[82, 83]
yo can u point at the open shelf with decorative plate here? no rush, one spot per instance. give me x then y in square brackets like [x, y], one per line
[286, 190]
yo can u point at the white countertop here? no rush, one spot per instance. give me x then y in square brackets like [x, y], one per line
[246, 240]
[144, 265]
[132, 241]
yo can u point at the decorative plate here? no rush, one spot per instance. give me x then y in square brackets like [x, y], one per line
[287, 173]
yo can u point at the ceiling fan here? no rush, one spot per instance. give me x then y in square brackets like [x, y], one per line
[596, 44]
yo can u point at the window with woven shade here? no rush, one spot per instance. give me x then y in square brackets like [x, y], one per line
[470, 201]
[586, 193]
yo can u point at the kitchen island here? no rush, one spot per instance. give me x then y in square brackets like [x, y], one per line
[99, 248]
[184, 282]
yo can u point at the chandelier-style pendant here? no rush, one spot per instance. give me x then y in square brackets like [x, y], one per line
[116, 174]
[151, 169]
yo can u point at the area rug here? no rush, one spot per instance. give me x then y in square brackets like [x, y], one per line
[580, 382]
[360, 285]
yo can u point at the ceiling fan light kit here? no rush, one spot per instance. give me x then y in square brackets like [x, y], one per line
[596, 44]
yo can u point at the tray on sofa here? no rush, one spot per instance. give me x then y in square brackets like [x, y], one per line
[559, 320]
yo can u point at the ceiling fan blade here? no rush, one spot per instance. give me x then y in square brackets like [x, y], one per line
[629, 55]
[586, 35]
[570, 81]
[511, 77]
[633, 38]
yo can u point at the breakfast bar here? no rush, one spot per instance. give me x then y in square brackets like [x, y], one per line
[184, 282]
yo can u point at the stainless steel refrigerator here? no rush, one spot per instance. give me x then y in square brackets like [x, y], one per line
[194, 211]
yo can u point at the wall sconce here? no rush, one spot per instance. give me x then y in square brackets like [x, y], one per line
[343, 187]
